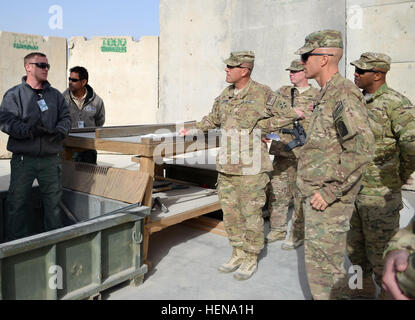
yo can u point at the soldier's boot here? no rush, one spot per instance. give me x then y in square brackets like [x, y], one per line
[367, 292]
[275, 235]
[248, 267]
[234, 262]
[291, 243]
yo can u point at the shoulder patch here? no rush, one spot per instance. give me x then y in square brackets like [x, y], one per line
[341, 128]
[271, 99]
[344, 127]
[338, 110]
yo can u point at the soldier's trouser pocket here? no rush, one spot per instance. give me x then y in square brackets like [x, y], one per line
[373, 224]
[325, 246]
[22, 175]
[242, 199]
[50, 185]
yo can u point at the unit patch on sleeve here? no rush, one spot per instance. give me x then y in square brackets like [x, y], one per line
[271, 99]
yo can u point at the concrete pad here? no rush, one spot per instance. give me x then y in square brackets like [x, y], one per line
[185, 262]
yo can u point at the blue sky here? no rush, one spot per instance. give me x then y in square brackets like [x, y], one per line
[86, 18]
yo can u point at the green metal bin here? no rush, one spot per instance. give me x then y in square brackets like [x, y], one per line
[80, 260]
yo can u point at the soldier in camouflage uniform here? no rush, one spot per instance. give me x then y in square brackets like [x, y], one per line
[282, 187]
[396, 260]
[243, 160]
[338, 147]
[376, 218]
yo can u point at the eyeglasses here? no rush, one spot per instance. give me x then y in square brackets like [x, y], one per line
[73, 79]
[41, 65]
[305, 56]
[361, 71]
[232, 67]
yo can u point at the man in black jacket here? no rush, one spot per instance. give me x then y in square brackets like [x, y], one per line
[36, 118]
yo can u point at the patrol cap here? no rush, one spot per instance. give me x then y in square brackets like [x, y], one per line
[295, 66]
[239, 57]
[321, 39]
[371, 60]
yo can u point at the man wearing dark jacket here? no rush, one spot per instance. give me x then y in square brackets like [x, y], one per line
[36, 118]
[85, 106]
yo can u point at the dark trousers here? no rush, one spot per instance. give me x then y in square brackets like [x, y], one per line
[24, 170]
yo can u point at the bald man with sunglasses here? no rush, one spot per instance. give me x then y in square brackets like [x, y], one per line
[36, 118]
[376, 218]
[339, 145]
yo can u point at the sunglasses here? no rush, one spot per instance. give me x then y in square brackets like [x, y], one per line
[305, 56]
[361, 71]
[41, 65]
[73, 79]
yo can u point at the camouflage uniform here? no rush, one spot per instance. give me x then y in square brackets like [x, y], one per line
[282, 187]
[405, 240]
[243, 160]
[338, 147]
[376, 218]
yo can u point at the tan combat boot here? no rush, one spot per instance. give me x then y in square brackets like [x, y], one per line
[248, 267]
[275, 235]
[234, 262]
[291, 244]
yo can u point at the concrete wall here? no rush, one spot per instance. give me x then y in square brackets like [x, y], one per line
[274, 30]
[386, 26]
[196, 35]
[194, 40]
[124, 73]
[13, 48]
[144, 82]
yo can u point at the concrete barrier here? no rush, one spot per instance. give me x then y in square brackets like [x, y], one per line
[144, 82]
[194, 40]
[205, 33]
[386, 26]
[123, 72]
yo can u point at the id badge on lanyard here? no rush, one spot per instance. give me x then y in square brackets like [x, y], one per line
[42, 103]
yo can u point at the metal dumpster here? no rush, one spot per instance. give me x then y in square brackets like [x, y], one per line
[80, 260]
[34, 217]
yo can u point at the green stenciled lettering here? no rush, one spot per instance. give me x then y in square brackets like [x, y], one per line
[25, 46]
[114, 45]
[24, 42]
[114, 49]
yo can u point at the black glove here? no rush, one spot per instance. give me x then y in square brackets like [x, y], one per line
[57, 136]
[39, 130]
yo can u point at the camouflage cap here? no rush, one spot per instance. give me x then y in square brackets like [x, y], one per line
[321, 39]
[239, 57]
[295, 66]
[371, 60]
